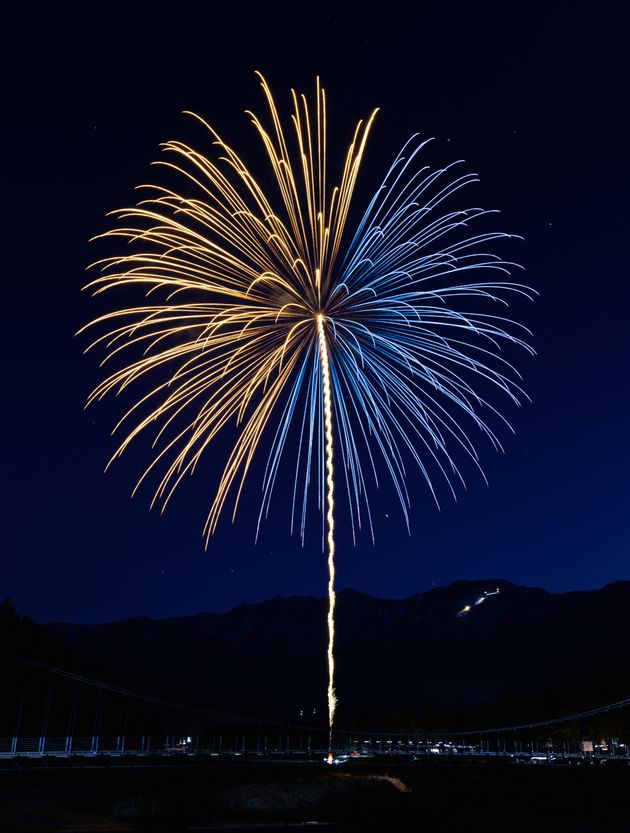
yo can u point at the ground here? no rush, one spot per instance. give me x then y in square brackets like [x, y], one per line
[285, 796]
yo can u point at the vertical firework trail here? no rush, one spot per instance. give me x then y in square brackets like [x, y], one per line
[330, 482]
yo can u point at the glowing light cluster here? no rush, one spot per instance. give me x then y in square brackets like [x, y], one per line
[478, 601]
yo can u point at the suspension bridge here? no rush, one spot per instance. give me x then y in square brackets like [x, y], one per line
[50, 713]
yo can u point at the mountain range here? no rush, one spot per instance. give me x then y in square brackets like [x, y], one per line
[463, 647]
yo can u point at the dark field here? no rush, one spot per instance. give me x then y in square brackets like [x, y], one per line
[440, 796]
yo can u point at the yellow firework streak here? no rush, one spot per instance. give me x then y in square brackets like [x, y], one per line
[234, 293]
[240, 284]
[330, 482]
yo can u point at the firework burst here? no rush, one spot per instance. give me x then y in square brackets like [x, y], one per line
[257, 314]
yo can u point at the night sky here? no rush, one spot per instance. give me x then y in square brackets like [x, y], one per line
[535, 98]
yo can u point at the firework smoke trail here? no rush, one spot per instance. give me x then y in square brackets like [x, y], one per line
[330, 483]
[257, 313]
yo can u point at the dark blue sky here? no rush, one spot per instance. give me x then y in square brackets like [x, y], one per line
[535, 98]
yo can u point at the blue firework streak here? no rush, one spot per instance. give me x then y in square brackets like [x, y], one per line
[405, 353]
[255, 315]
